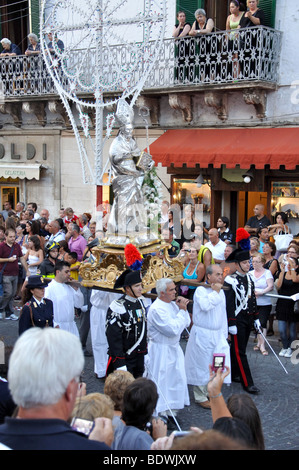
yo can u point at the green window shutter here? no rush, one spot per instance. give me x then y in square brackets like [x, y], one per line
[269, 8]
[34, 17]
[189, 7]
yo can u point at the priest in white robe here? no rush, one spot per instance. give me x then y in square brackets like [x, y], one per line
[208, 334]
[167, 319]
[65, 298]
[100, 301]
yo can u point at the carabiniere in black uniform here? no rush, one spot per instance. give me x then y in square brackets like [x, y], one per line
[126, 331]
[242, 314]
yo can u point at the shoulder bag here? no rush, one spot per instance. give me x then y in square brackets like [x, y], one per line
[282, 240]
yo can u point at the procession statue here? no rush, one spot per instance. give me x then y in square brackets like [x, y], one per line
[130, 230]
[128, 218]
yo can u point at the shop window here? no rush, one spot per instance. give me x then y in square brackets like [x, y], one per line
[9, 194]
[186, 191]
[285, 198]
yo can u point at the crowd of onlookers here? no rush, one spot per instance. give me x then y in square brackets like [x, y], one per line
[122, 416]
[35, 232]
[199, 246]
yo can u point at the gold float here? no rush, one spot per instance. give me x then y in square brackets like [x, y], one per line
[110, 262]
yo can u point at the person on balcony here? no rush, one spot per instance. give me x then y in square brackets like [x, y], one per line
[201, 47]
[33, 46]
[10, 72]
[233, 20]
[55, 45]
[9, 49]
[249, 41]
[180, 34]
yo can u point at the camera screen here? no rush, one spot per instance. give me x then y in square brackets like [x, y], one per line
[82, 425]
[218, 361]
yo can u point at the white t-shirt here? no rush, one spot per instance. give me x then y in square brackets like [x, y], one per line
[217, 250]
[260, 284]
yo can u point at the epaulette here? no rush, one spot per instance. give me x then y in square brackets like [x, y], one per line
[118, 306]
[231, 279]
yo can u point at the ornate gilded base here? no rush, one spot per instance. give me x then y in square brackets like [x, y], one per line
[110, 263]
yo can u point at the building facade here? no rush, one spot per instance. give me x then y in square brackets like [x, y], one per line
[207, 129]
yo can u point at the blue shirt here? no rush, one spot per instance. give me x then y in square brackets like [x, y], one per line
[45, 434]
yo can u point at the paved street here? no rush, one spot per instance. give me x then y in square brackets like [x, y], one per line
[277, 403]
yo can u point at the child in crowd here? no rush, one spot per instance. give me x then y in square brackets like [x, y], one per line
[72, 259]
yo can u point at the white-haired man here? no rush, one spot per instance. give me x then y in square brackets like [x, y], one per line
[44, 373]
[167, 319]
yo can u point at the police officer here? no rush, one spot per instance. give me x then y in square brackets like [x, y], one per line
[46, 268]
[126, 328]
[242, 315]
[36, 310]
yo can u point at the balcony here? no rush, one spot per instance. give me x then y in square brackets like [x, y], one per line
[243, 61]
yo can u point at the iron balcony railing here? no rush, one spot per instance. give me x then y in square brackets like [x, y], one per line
[251, 54]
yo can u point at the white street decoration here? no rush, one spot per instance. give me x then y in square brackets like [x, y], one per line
[99, 48]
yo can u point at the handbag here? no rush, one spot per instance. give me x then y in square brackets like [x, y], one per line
[1, 274]
[282, 241]
[296, 307]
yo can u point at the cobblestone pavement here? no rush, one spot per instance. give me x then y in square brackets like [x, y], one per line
[278, 402]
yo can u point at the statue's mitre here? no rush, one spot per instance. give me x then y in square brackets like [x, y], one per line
[124, 113]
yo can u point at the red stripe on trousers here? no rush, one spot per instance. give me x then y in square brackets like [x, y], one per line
[239, 361]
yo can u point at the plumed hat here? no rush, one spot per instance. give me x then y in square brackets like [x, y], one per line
[243, 238]
[128, 278]
[134, 258]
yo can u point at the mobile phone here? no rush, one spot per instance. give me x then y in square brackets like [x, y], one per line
[82, 425]
[178, 434]
[218, 362]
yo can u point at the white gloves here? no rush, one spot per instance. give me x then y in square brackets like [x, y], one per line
[257, 325]
[232, 330]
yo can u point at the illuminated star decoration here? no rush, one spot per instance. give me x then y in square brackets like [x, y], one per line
[110, 47]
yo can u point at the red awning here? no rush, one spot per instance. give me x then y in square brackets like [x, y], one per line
[230, 147]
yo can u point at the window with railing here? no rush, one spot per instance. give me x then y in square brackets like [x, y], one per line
[217, 58]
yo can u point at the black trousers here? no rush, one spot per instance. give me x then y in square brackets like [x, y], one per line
[239, 363]
[134, 364]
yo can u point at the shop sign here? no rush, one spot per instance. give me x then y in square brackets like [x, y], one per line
[30, 152]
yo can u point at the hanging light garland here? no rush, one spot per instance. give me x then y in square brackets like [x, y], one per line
[99, 57]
